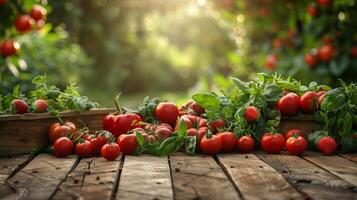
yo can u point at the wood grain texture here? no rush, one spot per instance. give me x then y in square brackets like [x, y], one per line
[352, 156]
[200, 177]
[93, 178]
[256, 179]
[8, 165]
[145, 177]
[29, 133]
[39, 179]
[337, 165]
[313, 181]
[306, 124]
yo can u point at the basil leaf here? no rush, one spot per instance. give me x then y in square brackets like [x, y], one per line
[170, 145]
[190, 145]
[346, 129]
[243, 86]
[182, 129]
[314, 138]
[334, 100]
[348, 145]
[140, 139]
[206, 100]
[272, 92]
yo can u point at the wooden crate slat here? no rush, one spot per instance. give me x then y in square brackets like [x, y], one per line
[200, 177]
[256, 179]
[351, 156]
[145, 177]
[93, 178]
[308, 178]
[39, 179]
[337, 165]
[9, 164]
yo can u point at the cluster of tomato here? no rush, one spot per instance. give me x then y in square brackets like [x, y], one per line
[20, 106]
[23, 23]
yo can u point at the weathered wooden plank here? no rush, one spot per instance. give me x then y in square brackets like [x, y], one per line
[9, 164]
[200, 177]
[313, 181]
[256, 179]
[39, 179]
[93, 178]
[145, 177]
[351, 156]
[337, 165]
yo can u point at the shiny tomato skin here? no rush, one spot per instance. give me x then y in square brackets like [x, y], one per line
[251, 114]
[38, 12]
[57, 130]
[327, 145]
[167, 112]
[211, 145]
[272, 143]
[19, 106]
[292, 132]
[215, 125]
[162, 133]
[309, 102]
[9, 48]
[313, 10]
[197, 108]
[192, 132]
[289, 104]
[245, 144]
[84, 149]
[24, 23]
[201, 133]
[296, 145]
[110, 151]
[188, 121]
[228, 141]
[124, 123]
[127, 143]
[325, 52]
[63, 147]
[108, 123]
[97, 143]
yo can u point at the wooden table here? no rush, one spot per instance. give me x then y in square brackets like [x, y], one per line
[226, 176]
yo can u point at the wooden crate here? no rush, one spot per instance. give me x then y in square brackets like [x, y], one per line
[22, 133]
[305, 123]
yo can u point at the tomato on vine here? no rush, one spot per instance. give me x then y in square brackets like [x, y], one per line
[63, 147]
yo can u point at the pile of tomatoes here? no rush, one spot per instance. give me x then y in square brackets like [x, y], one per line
[23, 24]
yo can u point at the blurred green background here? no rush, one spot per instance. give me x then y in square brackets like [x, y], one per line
[173, 48]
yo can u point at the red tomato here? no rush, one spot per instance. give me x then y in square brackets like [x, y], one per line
[167, 112]
[57, 130]
[215, 125]
[228, 141]
[97, 143]
[313, 10]
[211, 145]
[289, 104]
[168, 126]
[324, 3]
[125, 122]
[354, 52]
[202, 123]
[245, 144]
[294, 131]
[251, 114]
[127, 143]
[201, 133]
[320, 93]
[309, 102]
[24, 23]
[186, 119]
[197, 108]
[87, 137]
[9, 48]
[311, 60]
[296, 145]
[271, 61]
[277, 43]
[325, 52]
[84, 149]
[19, 106]
[63, 147]
[321, 99]
[38, 12]
[40, 106]
[327, 39]
[162, 133]
[192, 132]
[327, 145]
[110, 151]
[273, 143]
[108, 123]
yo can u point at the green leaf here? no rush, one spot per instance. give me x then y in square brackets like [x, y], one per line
[314, 138]
[190, 145]
[140, 139]
[272, 92]
[207, 101]
[348, 145]
[170, 145]
[243, 86]
[182, 129]
[346, 129]
[334, 100]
